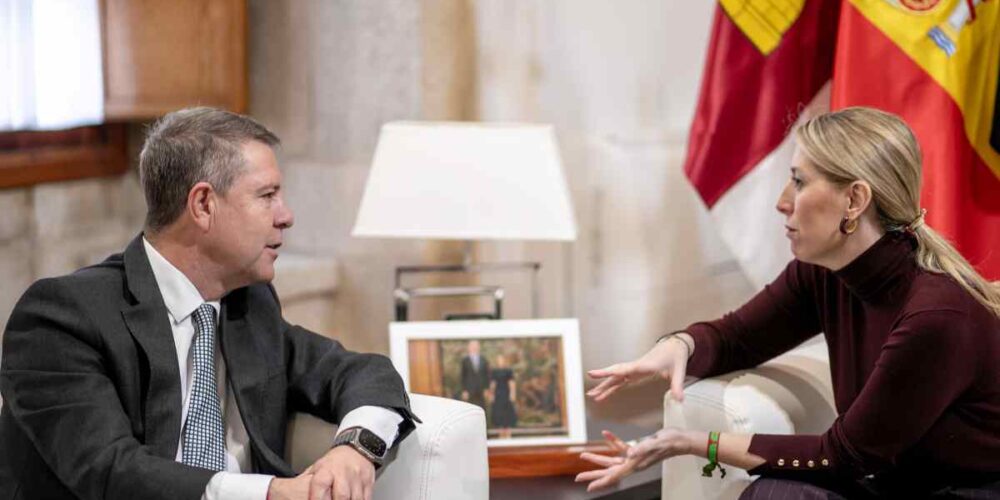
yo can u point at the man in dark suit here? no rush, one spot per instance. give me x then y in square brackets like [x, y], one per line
[475, 375]
[167, 371]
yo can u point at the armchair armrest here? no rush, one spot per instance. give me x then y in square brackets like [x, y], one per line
[789, 394]
[444, 458]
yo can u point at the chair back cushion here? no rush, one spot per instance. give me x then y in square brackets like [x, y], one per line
[444, 458]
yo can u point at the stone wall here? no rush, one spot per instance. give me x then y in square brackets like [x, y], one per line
[325, 76]
[55, 228]
[618, 79]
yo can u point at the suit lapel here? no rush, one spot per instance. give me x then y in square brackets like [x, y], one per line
[149, 324]
[244, 359]
[248, 373]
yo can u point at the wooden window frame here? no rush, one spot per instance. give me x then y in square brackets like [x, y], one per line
[30, 157]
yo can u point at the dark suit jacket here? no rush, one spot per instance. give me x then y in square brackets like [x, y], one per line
[92, 396]
[475, 381]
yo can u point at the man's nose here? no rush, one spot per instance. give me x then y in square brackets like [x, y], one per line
[285, 218]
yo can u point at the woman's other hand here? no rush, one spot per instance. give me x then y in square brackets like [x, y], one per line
[615, 468]
[668, 359]
[666, 443]
[632, 456]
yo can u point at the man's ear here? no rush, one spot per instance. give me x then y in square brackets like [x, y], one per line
[859, 195]
[201, 205]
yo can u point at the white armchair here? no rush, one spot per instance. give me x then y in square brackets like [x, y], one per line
[789, 394]
[445, 457]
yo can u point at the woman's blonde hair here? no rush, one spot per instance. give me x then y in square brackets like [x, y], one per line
[877, 147]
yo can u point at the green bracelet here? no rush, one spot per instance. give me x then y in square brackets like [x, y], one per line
[713, 456]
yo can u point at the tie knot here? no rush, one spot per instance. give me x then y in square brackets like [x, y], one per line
[204, 316]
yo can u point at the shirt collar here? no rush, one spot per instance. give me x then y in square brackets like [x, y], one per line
[179, 295]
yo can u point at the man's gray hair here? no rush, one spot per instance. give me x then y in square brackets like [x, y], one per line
[189, 146]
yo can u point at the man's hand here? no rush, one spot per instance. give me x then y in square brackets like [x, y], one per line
[341, 474]
[465, 395]
[295, 488]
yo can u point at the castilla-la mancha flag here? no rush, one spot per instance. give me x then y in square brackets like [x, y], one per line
[768, 66]
[936, 63]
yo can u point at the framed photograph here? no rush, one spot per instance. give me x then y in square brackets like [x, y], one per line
[525, 374]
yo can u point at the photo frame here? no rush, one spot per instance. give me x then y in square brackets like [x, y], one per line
[525, 374]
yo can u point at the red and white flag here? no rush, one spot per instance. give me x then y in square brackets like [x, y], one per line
[768, 66]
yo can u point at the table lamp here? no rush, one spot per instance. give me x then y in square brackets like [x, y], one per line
[465, 181]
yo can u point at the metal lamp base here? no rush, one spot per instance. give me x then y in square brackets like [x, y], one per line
[402, 296]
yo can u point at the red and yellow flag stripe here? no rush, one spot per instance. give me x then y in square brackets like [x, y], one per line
[936, 64]
[957, 43]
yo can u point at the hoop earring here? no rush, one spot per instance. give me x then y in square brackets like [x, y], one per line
[848, 226]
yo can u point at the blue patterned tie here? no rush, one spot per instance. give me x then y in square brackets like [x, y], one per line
[204, 437]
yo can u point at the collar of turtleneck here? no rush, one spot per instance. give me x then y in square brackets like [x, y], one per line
[881, 266]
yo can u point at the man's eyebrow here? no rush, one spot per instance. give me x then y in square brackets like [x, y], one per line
[268, 187]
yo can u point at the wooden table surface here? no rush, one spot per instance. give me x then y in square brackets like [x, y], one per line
[642, 485]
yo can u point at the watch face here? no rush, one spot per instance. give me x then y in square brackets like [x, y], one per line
[372, 443]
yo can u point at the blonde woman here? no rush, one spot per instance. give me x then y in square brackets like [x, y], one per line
[913, 334]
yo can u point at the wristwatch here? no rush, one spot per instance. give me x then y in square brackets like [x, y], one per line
[366, 442]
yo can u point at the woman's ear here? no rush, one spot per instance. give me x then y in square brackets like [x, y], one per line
[859, 195]
[201, 205]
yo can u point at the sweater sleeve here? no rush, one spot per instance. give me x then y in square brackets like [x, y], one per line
[924, 366]
[781, 316]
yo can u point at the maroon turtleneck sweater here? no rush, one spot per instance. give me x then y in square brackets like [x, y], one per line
[915, 363]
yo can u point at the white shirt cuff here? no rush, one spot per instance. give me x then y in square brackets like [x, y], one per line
[382, 421]
[236, 486]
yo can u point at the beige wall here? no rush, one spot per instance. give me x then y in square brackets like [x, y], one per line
[619, 81]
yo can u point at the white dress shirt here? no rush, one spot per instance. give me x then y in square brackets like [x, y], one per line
[182, 299]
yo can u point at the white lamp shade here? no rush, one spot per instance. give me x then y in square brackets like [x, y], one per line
[466, 181]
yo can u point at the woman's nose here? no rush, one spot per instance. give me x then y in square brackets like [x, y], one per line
[784, 204]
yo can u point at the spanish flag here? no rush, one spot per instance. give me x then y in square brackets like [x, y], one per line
[936, 63]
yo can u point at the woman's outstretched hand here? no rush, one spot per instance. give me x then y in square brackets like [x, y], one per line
[668, 359]
[664, 444]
